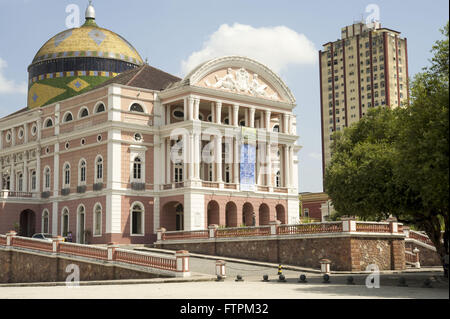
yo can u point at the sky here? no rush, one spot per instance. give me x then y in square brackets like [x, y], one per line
[176, 35]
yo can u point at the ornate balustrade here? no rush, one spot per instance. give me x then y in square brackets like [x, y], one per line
[275, 229]
[372, 227]
[143, 259]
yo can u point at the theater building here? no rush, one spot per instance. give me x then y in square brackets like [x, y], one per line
[112, 149]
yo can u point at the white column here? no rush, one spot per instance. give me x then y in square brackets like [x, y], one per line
[196, 108]
[236, 162]
[25, 175]
[267, 121]
[25, 133]
[197, 156]
[1, 140]
[185, 108]
[230, 115]
[213, 112]
[191, 108]
[38, 170]
[39, 129]
[269, 165]
[168, 161]
[167, 114]
[246, 119]
[191, 152]
[285, 123]
[235, 115]
[218, 152]
[286, 166]
[13, 136]
[219, 112]
[252, 117]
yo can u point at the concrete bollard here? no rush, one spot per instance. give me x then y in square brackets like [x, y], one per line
[325, 266]
[220, 269]
[417, 259]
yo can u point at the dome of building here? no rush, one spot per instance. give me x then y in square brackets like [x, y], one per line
[76, 60]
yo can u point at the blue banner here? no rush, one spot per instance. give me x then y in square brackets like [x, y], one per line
[247, 165]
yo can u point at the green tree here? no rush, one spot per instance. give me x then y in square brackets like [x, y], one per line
[396, 162]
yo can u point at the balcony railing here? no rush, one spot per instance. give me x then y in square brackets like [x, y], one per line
[14, 194]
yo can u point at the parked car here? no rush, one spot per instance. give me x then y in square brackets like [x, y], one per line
[44, 236]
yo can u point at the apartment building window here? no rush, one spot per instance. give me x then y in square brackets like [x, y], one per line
[47, 178]
[137, 220]
[82, 172]
[137, 168]
[20, 182]
[97, 220]
[33, 180]
[99, 169]
[66, 174]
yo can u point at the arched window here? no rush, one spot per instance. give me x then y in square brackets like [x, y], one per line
[84, 112]
[226, 121]
[276, 128]
[278, 179]
[20, 182]
[99, 169]
[6, 182]
[47, 178]
[68, 117]
[44, 223]
[179, 222]
[65, 222]
[97, 220]
[209, 118]
[137, 220]
[67, 175]
[33, 180]
[137, 168]
[48, 123]
[82, 172]
[100, 108]
[135, 107]
[242, 123]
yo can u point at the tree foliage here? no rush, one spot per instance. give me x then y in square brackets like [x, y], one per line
[396, 162]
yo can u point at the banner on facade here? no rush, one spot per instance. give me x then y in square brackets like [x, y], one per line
[247, 165]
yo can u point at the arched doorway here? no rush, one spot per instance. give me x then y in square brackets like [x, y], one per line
[264, 214]
[231, 219]
[213, 213]
[27, 223]
[172, 217]
[281, 213]
[247, 213]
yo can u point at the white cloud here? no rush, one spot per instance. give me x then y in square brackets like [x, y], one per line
[9, 86]
[277, 47]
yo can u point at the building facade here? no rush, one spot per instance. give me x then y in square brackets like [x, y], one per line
[145, 149]
[366, 68]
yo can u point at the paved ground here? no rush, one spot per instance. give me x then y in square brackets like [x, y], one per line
[229, 289]
[251, 288]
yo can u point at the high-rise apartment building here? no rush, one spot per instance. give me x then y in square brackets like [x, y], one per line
[367, 67]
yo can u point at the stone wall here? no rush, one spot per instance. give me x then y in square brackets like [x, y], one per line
[346, 253]
[23, 266]
[427, 257]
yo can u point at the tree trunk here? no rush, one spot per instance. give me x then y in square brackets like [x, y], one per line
[433, 229]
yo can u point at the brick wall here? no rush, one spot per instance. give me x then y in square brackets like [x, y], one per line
[21, 267]
[346, 253]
